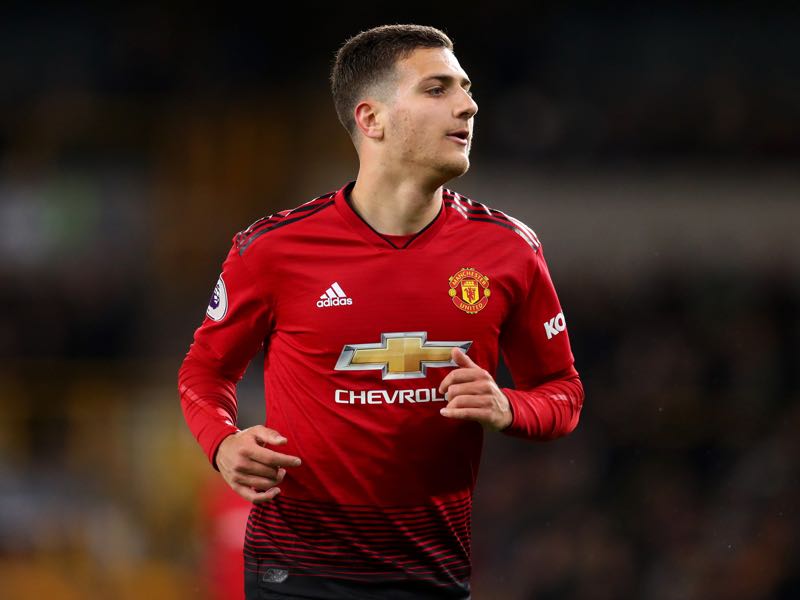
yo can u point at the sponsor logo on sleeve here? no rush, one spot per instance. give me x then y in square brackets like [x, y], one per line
[555, 326]
[218, 304]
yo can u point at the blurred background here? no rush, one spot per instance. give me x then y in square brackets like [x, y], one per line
[654, 150]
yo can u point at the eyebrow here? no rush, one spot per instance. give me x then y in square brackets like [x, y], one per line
[447, 79]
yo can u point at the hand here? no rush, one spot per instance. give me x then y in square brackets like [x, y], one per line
[249, 468]
[473, 394]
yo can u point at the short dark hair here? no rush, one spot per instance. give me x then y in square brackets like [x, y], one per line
[369, 58]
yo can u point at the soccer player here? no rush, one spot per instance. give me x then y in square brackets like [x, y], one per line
[382, 307]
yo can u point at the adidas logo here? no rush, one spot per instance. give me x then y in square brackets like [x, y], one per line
[334, 296]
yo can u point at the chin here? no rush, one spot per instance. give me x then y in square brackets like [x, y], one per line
[454, 169]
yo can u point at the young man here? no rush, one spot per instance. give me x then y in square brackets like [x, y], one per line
[382, 307]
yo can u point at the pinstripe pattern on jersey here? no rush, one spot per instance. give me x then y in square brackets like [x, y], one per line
[363, 543]
[271, 222]
[475, 211]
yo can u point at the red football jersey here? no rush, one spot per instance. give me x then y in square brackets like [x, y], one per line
[358, 329]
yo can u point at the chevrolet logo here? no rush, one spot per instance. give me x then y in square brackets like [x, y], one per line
[404, 355]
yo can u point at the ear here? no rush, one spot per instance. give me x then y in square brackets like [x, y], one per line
[368, 119]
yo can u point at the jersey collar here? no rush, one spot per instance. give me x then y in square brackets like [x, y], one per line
[418, 240]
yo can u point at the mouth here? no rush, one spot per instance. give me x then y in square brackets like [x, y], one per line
[459, 136]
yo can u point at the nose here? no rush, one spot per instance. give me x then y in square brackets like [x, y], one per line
[468, 108]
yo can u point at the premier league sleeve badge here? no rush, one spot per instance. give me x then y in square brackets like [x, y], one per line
[218, 304]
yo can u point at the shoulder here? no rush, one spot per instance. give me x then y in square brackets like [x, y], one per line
[244, 239]
[474, 213]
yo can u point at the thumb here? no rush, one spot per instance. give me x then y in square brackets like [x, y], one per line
[462, 360]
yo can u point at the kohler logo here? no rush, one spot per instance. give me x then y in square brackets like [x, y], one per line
[555, 325]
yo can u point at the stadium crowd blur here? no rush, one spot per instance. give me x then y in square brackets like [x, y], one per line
[651, 149]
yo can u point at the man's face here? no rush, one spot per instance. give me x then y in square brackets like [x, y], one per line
[431, 116]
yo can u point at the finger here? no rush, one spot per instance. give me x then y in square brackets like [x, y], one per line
[258, 483]
[470, 401]
[271, 458]
[256, 497]
[461, 359]
[257, 469]
[481, 415]
[265, 435]
[260, 473]
[470, 388]
[459, 376]
[262, 497]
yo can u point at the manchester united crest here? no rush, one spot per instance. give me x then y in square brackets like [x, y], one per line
[469, 290]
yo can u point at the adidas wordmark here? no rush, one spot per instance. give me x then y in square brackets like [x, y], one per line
[334, 296]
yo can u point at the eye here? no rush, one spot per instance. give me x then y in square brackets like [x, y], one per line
[433, 91]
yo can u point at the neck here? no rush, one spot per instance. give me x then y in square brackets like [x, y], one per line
[395, 206]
